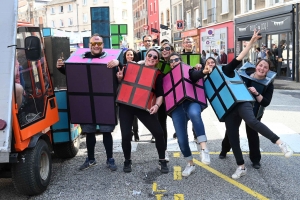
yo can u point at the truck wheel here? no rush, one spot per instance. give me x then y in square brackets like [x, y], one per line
[67, 149]
[31, 176]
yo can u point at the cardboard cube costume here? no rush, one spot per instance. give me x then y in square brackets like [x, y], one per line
[225, 92]
[92, 88]
[178, 87]
[138, 86]
[63, 130]
[191, 59]
[164, 67]
[260, 85]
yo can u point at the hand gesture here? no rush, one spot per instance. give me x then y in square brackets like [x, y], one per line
[153, 109]
[255, 36]
[198, 67]
[207, 69]
[60, 63]
[253, 90]
[120, 73]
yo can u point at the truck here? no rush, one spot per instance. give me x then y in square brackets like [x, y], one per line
[29, 129]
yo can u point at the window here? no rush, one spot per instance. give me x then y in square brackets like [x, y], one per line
[174, 14]
[188, 19]
[85, 18]
[52, 10]
[204, 9]
[247, 5]
[224, 6]
[84, 2]
[53, 23]
[180, 11]
[70, 20]
[250, 5]
[124, 14]
[151, 11]
[61, 9]
[162, 20]
[95, 1]
[196, 18]
[168, 16]
[61, 23]
[273, 2]
[105, 1]
[70, 8]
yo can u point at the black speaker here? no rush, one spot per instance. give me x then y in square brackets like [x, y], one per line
[55, 48]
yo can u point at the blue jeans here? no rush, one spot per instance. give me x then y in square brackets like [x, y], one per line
[186, 111]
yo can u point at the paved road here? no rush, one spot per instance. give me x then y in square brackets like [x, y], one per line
[277, 179]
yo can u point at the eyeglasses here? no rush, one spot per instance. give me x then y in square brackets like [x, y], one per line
[174, 60]
[188, 42]
[150, 55]
[94, 43]
[147, 41]
[165, 48]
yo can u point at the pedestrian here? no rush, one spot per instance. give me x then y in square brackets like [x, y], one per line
[126, 114]
[189, 110]
[96, 51]
[131, 56]
[216, 57]
[244, 110]
[223, 59]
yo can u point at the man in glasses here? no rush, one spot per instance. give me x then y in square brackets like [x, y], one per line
[188, 45]
[96, 46]
[147, 41]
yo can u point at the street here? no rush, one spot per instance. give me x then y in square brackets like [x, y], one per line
[278, 178]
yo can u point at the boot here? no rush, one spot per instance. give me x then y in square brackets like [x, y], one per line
[136, 136]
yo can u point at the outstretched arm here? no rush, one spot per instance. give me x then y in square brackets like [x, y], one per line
[254, 38]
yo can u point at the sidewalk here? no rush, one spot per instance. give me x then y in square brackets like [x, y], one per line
[286, 84]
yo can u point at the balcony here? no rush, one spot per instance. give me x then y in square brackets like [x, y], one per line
[212, 15]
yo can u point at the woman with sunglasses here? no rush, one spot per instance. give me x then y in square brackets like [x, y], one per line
[243, 110]
[189, 110]
[131, 56]
[127, 113]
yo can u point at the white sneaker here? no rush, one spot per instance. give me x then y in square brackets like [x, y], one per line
[188, 170]
[286, 150]
[167, 158]
[204, 156]
[239, 173]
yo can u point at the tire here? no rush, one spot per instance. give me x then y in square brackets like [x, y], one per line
[31, 176]
[67, 149]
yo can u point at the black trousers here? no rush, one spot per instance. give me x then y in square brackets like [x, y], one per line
[126, 115]
[233, 121]
[91, 142]
[135, 126]
[253, 142]
[162, 118]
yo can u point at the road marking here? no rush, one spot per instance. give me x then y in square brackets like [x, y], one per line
[263, 153]
[230, 180]
[176, 155]
[177, 173]
[157, 192]
[178, 196]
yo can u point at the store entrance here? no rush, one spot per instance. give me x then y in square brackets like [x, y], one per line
[281, 47]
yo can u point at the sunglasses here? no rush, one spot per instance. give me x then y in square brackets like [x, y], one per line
[150, 55]
[165, 48]
[174, 60]
[94, 43]
[147, 41]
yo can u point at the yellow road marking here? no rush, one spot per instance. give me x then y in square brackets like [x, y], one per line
[263, 153]
[154, 188]
[177, 173]
[233, 182]
[159, 196]
[176, 154]
[178, 196]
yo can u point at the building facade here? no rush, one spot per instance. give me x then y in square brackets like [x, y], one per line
[177, 23]
[140, 21]
[153, 20]
[165, 19]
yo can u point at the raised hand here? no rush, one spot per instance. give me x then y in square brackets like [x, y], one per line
[120, 73]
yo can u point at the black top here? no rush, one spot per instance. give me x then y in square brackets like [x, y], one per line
[159, 91]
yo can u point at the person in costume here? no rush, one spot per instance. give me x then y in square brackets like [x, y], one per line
[149, 119]
[96, 46]
[243, 111]
[189, 110]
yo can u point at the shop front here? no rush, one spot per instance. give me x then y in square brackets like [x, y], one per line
[218, 37]
[194, 33]
[278, 35]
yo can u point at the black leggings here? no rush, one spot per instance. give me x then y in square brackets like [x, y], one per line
[233, 121]
[126, 115]
[91, 142]
[135, 125]
[162, 118]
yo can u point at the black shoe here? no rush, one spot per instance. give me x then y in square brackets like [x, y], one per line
[174, 136]
[152, 140]
[222, 155]
[256, 165]
[136, 136]
[163, 166]
[127, 166]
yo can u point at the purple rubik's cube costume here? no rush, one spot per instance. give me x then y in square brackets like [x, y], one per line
[92, 88]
